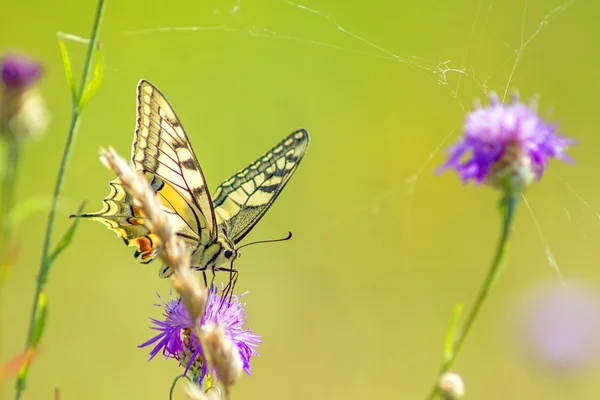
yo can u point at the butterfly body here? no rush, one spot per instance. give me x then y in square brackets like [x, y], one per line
[211, 227]
[215, 256]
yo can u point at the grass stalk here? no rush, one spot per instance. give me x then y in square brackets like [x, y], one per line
[74, 124]
[508, 206]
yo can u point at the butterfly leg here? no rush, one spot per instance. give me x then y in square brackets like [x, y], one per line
[204, 276]
[233, 280]
[212, 281]
[228, 290]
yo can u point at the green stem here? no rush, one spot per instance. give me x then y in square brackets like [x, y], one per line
[75, 115]
[508, 206]
[7, 196]
[8, 191]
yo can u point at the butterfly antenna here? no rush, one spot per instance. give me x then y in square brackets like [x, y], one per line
[288, 237]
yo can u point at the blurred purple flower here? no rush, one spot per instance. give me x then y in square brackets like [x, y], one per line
[508, 145]
[560, 325]
[177, 339]
[19, 72]
[23, 113]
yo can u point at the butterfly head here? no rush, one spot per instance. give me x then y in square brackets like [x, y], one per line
[231, 254]
[225, 256]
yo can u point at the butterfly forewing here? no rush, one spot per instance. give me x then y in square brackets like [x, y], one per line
[161, 146]
[242, 200]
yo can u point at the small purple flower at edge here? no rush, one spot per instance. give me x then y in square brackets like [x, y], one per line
[507, 145]
[176, 337]
[19, 72]
[23, 114]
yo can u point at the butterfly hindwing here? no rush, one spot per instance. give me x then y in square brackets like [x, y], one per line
[162, 147]
[242, 200]
[128, 221]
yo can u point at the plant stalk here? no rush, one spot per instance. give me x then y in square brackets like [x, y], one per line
[75, 116]
[9, 183]
[7, 196]
[508, 206]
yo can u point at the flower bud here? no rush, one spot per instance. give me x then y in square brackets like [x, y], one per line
[451, 386]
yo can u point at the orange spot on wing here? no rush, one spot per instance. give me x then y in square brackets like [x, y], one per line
[147, 249]
[135, 220]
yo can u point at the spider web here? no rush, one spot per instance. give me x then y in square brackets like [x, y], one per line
[451, 75]
[232, 17]
[456, 76]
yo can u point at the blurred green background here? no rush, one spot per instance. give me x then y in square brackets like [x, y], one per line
[356, 305]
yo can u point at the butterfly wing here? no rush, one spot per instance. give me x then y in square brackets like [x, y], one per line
[161, 146]
[128, 221]
[242, 200]
[162, 150]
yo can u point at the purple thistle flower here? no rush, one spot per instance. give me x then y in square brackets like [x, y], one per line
[19, 72]
[508, 145]
[177, 339]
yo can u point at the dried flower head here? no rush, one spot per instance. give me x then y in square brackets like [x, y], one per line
[509, 145]
[195, 392]
[177, 337]
[22, 110]
[222, 354]
[170, 249]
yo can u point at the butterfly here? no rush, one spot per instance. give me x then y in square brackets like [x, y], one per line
[211, 226]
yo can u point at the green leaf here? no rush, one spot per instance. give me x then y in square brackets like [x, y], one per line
[451, 332]
[40, 320]
[39, 324]
[68, 70]
[62, 244]
[96, 80]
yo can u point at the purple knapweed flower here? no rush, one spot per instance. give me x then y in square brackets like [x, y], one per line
[22, 110]
[506, 145]
[18, 72]
[177, 338]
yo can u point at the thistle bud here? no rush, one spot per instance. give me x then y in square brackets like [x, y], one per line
[451, 386]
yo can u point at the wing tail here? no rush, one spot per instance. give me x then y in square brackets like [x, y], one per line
[120, 216]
